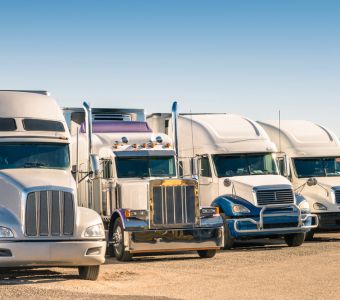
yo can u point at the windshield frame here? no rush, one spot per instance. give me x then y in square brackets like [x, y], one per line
[146, 157]
[213, 156]
[36, 165]
[322, 158]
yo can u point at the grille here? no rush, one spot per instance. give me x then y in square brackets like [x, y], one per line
[174, 205]
[337, 196]
[269, 197]
[49, 213]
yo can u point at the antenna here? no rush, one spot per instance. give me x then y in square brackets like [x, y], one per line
[192, 135]
[280, 131]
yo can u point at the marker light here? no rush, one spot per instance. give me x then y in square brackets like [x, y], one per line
[145, 145]
[167, 145]
[134, 146]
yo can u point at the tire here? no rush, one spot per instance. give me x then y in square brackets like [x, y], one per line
[309, 235]
[89, 272]
[295, 239]
[229, 240]
[206, 253]
[118, 249]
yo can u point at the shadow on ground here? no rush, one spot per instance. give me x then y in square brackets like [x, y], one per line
[31, 276]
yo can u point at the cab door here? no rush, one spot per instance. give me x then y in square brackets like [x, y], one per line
[206, 186]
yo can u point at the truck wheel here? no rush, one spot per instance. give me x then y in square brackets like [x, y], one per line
[229, 240]
[206, 253]
[295, 239]
[89, 272]
[118, 242]
[309, 235]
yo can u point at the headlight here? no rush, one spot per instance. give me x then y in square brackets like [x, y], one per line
[139, 214]
[209, 211]
[304, 206]
[319, 206]
[6, 232]
[95, 231]
[238, 208]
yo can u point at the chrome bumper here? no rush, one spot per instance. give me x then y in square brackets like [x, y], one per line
[48, 254]
[174, 240]
[260, 223]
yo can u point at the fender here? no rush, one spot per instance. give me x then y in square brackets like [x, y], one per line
[226, 203]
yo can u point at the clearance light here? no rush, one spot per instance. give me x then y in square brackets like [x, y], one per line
[134, 146]
[152, 145]
[116, 144]
[167, 145]
[145, 145]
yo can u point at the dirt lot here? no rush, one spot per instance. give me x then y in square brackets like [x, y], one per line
[251, 271]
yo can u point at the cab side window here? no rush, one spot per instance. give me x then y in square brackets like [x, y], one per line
[107, 168]
[205, 170]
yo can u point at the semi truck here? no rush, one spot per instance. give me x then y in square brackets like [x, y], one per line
[309, 156]
[234, 161]
[128, 174]
[41, 224]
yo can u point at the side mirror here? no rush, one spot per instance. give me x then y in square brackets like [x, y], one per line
[286, 171]
[95, 164]
[312, 181]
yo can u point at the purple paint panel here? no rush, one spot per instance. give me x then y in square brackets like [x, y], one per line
[117, 126]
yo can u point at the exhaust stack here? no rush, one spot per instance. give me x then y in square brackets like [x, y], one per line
[174, 116]
[88, 124]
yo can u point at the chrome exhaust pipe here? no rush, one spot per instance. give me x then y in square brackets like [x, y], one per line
[174, 117]
[88, 124]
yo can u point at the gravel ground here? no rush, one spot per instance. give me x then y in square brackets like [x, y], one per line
[252, 271]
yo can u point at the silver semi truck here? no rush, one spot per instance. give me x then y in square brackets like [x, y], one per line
[41, 223]
[128, 174]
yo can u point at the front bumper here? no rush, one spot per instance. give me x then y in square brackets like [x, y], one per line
[51, 253]
[269, 223]
[174, 240]
[328, 222]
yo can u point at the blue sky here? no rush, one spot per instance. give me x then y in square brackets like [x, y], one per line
[248, 57]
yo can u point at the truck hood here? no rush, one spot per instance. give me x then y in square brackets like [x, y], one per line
[259, 180]
[30, 178]
[244, 185]
[133, 193]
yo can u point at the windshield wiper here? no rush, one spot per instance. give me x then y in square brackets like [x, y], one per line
[34, 165]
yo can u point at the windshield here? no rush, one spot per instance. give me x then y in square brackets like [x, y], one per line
[34, 155]
[317, 167]
[147, 166]
[244, 164]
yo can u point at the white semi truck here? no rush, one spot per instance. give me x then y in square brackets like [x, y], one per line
[237, 172]
[309, 156]
[128, 174]
[40, 221]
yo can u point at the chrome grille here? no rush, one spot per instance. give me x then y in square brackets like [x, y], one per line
[337, 196]
[49, 213]
[270, 197]
[174, 205]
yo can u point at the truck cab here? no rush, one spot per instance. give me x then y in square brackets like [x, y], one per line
[146, 207]
[237, 172]
[40, 221]
[309, 156]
